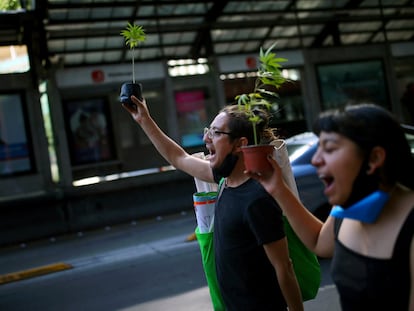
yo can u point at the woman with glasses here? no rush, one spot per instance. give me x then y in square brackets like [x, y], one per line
[253, 268]
[364, 160]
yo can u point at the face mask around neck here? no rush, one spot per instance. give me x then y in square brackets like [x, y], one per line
[364, 185]
[366, 200]
[225, 169]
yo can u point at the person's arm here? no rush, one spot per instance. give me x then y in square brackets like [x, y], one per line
[317, 236]
[411, 303]
[278, 254]
[168, 148]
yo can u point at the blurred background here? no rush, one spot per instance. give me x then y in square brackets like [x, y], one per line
[72, 159]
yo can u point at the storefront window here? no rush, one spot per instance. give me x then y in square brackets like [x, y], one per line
[344, 83]
[14, 59]
[15, 146]
[88, 128]
[404, 71]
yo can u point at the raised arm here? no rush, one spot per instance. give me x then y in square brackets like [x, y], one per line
[167, 147]
[317, 236]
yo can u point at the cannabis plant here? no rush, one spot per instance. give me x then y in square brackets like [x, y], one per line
[269, 74]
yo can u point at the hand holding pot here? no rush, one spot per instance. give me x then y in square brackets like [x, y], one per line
[272, 180]
[129, 89]
[138, 110]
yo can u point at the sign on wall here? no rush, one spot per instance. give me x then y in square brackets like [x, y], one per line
[192, 116]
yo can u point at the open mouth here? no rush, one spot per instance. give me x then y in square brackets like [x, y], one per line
[327, 181]
[211, 154]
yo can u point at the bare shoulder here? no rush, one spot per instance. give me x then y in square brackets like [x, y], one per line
[406, 198]
[403, 202]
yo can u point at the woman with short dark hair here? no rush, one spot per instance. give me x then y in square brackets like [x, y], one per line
[364, 160]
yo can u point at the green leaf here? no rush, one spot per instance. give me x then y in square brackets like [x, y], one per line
[269, 74]
[133, 35]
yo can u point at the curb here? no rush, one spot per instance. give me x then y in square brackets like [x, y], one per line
[30, 273]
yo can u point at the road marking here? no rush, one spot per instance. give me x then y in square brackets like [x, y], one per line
[30, 273]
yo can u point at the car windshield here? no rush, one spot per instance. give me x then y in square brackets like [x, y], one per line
[299, 144]
[295, 151]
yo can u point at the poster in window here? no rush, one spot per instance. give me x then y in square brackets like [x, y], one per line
[16, 155]
[89, 135]
[192, 116]
[353, 82]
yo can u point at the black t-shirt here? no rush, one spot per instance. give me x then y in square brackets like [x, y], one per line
[366, 283]
[247, 217]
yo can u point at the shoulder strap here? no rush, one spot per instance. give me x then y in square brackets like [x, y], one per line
[337, 225]
[220, 187]
[402, 245]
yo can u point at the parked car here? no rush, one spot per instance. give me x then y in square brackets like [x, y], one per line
[301, 148]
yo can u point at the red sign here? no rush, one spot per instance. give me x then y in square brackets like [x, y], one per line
[98, 76]
[251, 62]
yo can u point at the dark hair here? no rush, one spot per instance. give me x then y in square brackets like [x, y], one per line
[240, 126]
[369, 125]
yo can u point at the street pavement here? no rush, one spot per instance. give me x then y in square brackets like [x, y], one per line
[31, 259]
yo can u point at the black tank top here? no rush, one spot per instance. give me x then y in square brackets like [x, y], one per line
[366, 283]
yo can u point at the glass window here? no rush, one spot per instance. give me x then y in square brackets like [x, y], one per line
[192, 116]
[14, 59]
[88, 128]
[404, 71]
[16, 155]
[343, 83]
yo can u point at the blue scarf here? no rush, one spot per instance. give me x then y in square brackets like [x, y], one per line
[366, 210]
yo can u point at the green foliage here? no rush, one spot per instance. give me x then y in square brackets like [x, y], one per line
[269, 74]
[9, 5]
[269, 71]
[133, 35]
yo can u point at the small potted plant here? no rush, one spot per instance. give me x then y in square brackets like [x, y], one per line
[264, 96]
[133, 35]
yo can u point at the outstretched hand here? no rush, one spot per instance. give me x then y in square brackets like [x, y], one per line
[139, 110]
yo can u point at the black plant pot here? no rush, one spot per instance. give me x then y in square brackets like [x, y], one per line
[128, 89]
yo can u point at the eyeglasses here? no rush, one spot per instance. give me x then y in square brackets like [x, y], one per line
[211, 132]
